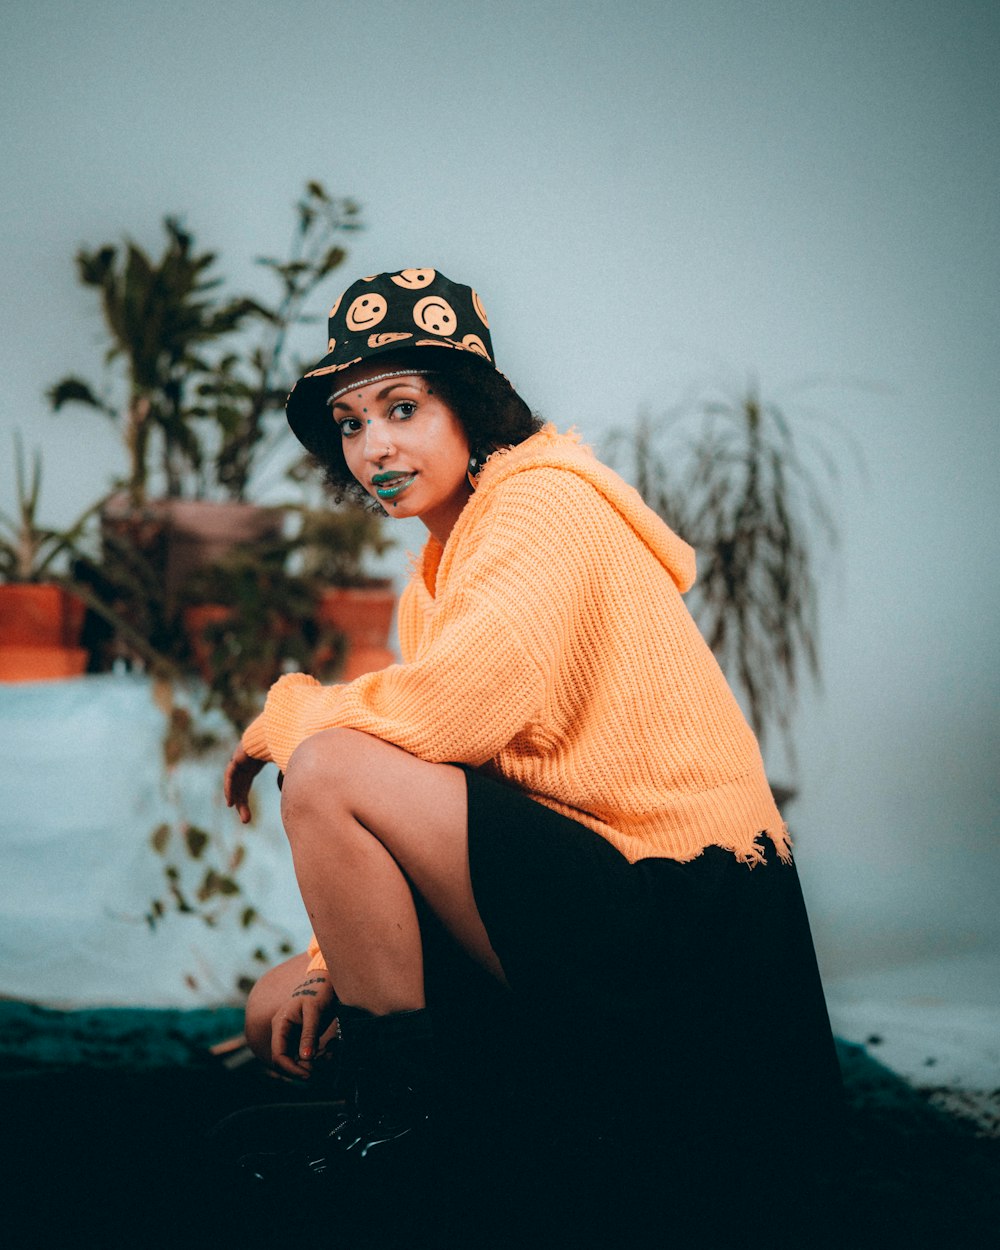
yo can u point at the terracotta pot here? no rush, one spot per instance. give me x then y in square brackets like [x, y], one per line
[39, 614]
[41, 663]
[197, 621]
[179, 536]
[363, 615]
[202, 531]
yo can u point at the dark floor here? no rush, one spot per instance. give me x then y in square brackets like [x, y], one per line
[113, 1153]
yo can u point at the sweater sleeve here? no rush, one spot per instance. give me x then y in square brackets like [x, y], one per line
[472, 685]
[316, 961]
[518, 576]
[470, 691]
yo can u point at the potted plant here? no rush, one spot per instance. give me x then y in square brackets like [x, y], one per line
[247, 619]
[41, 618]
[243, 390]
[727, 474]
[194, 391]
[335, 543]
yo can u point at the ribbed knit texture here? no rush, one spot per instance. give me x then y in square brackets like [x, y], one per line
[548, 642]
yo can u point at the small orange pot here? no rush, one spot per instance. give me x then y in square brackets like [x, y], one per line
[41, 663]
[363, 615]
[39, 614]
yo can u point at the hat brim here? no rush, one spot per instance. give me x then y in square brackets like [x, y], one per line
[308, 409]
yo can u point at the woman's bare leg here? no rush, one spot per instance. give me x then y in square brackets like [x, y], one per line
[365, 820]
[268, 995]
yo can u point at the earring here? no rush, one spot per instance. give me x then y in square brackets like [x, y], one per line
[475, 465]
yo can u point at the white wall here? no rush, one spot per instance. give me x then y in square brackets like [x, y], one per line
[645, 198]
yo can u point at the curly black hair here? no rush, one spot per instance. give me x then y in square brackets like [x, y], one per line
[491, 412]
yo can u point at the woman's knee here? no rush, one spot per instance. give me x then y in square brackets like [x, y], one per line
[320, 770]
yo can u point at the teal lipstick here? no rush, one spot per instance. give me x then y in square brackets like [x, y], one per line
[391, 485]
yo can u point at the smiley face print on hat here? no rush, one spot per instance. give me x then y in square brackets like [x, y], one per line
[405, 308]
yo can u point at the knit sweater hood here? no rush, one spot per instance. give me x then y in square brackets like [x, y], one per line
[549, 449]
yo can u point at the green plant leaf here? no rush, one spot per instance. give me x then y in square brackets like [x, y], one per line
[196, 840]
[159, 838]
[183, 905]
[74, 390]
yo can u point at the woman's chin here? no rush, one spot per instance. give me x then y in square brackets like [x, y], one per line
[399, 507]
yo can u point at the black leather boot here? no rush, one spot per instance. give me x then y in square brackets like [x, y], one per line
[389, 1063]
[386, 1073]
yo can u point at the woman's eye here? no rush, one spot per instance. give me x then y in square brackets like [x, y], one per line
[349, 426]
[405, 409]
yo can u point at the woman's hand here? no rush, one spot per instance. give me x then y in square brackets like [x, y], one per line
[240, 772]
[304, 1026]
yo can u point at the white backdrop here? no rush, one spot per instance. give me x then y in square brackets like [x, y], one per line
[647, 198]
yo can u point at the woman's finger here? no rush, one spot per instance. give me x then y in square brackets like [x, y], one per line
[236, 783]
[283, 1053]
[310, 1027]
[233, 783]
[238, 778]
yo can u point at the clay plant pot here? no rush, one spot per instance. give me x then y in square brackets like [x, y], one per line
[363, 616]
[39, 614]
[179, 536]
[19, 663]
[202, 531]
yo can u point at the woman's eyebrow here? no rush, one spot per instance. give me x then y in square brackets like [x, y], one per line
[343, 403]
[391, 387]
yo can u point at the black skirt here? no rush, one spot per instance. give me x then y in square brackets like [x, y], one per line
[682, 999]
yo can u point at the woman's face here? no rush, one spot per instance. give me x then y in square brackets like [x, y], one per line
[405, 446]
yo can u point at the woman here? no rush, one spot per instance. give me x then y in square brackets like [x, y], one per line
[555, 785]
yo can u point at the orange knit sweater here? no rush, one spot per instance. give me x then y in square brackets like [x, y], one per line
[548, 643]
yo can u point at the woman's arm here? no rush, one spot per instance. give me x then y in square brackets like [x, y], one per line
[470, 692]
[507, 597]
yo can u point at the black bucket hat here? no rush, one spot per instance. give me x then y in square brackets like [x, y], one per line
[388, 312]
